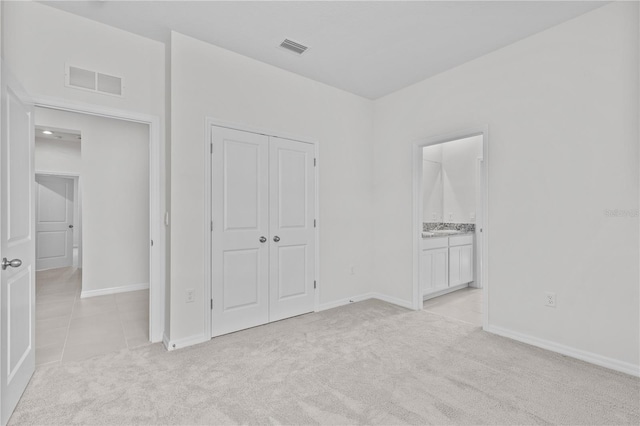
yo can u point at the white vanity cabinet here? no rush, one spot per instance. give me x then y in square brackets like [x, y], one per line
[446, 263]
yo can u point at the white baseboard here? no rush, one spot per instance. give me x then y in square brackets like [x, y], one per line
[589, 357]
[165, 341]
[114, 290]
[365, 296]
[393, 300]
[342, 302]
[184, 342]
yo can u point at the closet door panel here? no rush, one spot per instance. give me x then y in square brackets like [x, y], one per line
[240, 207]
[292, 207]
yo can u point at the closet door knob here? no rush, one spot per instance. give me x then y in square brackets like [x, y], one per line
[276, 238]
[263, 239]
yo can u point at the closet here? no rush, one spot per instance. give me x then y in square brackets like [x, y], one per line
[263, 236]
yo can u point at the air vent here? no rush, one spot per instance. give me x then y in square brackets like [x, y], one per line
[93, 81]
[293, 46]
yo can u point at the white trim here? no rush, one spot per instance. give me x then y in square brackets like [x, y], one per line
[590, 357]
[113, 290]
[417, 211]
[172, 345]
[157, 198]
[208, 214]
[345, 301]
[445, 291]
[165, 341]
[366, 296]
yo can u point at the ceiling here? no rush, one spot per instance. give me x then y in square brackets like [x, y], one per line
[370, 48]
[58, 134]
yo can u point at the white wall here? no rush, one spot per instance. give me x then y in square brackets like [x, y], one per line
[115, 197]
[57, 156]
[210, 81]
[39, 40]
[562, 109]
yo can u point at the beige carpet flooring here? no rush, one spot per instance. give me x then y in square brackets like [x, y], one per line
[365, 363]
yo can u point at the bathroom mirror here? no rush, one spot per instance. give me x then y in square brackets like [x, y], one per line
[449, 187]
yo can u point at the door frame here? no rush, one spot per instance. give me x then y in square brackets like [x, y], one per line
[482, 227]
[77, 203]
[157, 198]
[208, 213]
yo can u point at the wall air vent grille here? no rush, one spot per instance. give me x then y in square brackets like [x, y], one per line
[293, 46]
[93, 81]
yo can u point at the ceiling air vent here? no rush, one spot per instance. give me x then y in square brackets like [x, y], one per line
[93, 81]
[293, 46]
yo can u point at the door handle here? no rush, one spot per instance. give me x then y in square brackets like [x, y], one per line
[276, 238]
[263, 239]
[70, 226]
[15, 263]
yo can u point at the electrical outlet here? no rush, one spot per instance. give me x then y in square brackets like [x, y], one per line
[190, 298]
[550, 299]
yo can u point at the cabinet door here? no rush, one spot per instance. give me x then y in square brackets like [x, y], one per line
[466, 264]
[433, 270]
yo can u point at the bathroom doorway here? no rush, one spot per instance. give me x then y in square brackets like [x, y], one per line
[450, 194]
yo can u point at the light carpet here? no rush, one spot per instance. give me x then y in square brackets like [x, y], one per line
[365, 363]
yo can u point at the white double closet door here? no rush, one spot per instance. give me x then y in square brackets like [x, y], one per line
[263, 242]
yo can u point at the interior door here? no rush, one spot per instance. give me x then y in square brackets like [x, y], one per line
[54, 222]
[240, 252]
[17, 246]
[292, 211]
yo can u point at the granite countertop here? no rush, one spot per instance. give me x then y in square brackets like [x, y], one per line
[429, 234]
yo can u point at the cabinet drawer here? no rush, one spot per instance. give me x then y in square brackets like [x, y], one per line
[433, 243]
[461, 240]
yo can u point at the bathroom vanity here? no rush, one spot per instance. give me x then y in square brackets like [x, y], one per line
[446, 262]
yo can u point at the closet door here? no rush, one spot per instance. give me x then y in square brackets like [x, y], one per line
[291, 215]
[240, 248]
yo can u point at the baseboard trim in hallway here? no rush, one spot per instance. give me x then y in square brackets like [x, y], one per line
[590, 357]
[114, 290]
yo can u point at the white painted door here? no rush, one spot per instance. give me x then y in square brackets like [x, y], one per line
[54, 222]
[17, 246]
[291, 216]
[240, 251]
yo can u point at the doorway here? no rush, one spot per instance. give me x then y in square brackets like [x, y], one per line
[91, 308]
[450, 225]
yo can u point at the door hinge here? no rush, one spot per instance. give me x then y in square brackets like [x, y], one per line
[212, 304]
[151, 243]
[314, 223]
[211, 226]
[314, 162]
[211, 148]
[315, 284]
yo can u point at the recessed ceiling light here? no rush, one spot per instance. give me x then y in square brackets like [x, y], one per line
[47, 132]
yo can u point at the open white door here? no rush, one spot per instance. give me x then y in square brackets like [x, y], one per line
[54, 222]
[17, 246]
[292, 210]
[240, 252]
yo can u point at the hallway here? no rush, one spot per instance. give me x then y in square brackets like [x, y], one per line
[69, 328]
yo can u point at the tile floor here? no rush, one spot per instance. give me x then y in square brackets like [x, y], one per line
[70, 329]
[464, 305]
